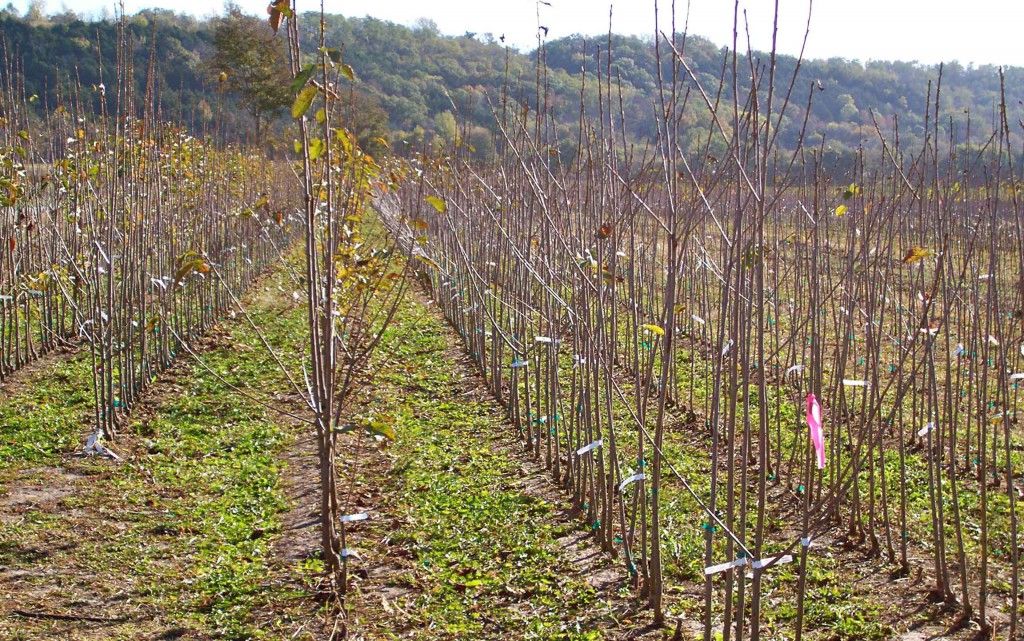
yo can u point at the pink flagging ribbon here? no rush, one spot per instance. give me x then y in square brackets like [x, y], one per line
[814, 423]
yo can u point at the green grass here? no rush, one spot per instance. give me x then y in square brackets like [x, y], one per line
[186, 525]
[486, 559]
[219, 450]
[43, 419]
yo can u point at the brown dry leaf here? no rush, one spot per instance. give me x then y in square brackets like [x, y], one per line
[277, 10]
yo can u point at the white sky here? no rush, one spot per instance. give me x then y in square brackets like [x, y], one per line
[928, 31]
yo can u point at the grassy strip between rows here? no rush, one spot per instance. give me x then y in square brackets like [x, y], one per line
[175, 539]
[485, 560]
[43, 418]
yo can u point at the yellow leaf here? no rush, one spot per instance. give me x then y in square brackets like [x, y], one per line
[916, 254]
[841, 210]
[303, 101]
[437, 203]
[316, 149]
[654, 329]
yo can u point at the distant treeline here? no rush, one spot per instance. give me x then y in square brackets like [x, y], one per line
[432, 86]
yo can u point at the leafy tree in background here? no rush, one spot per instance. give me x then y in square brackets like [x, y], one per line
[446, 127]
[481, 142]
[35, 15]
[251, 62]
[362, 114]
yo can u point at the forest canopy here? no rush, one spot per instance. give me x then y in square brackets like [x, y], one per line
[416, 85]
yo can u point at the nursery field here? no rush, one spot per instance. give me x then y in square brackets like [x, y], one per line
[587, 387]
